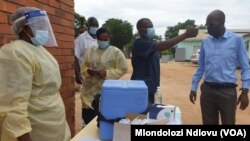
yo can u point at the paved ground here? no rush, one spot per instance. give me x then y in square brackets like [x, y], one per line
[175, 86]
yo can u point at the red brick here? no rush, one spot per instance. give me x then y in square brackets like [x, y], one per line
[3, 17]
[68, 23]
[9, 38]
[59, 28]
[69, 103]
[71, 65]
[5, 29]
[63, 44]
[67, 51]
[69, 2]
[63, 29]
[67, 95]
[55, 19]
[63, 67]
[7, 6]
[54, 51]
[67, 66]
[70, 117]
[68, 59]
[69, 89]
[54, 3]
[33, 3]
[68, 73]
[58, 59]
[56, 28]
[69, 16]
[58, 38]
[67, 8]
[71, 31]
[66, 81]
[64, 37]
[62, 90]
[8, 19]
[20, 2]
[50, 10]
[1, 40]
[44, 1]
[60, 13]
[64, 96]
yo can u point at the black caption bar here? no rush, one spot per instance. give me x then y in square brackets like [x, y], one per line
[163, 132]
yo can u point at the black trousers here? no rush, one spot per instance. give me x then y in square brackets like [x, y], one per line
[88, 114]
[151, 99]
[218, 103]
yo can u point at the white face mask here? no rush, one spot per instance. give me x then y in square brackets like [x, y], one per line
[103, 44]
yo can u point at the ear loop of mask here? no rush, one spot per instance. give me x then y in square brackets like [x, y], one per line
[27, 33]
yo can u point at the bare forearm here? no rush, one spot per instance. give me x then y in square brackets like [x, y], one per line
[77, 67]
[190, 32]
[170, 42]
[25, 137]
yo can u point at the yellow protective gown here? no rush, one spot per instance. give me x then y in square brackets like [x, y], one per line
[30, 101]
[110, 59]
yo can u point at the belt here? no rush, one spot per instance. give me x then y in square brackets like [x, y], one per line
[220, 85]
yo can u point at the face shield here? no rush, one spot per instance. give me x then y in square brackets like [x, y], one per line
[39, 23]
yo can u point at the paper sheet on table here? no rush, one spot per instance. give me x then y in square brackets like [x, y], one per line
[89, 139]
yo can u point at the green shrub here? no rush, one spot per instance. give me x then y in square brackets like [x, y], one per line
[166, 52]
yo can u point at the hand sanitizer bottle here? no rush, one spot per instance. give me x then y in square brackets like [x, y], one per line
[158, 96]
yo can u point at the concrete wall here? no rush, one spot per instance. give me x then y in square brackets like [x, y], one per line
[247, 41]
[189, 46]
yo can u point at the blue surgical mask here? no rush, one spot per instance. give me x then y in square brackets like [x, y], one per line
[150, 32]
[41, 37]
[92, 30]
[103, 44]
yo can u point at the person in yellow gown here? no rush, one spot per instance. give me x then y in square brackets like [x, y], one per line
[31, 108]
[100, 62]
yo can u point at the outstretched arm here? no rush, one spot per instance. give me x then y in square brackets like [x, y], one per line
[190, 32]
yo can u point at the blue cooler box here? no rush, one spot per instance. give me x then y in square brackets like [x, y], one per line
[119, 97]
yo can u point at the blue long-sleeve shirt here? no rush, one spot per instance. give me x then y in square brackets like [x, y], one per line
[219, 59]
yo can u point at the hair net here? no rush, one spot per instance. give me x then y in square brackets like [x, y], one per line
[18, 26]
[37, 20]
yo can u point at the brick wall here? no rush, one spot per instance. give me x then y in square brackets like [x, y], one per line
[61, 15]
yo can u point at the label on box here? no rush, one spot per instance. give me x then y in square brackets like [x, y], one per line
[162, 112]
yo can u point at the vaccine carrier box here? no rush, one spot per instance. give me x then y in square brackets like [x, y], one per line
[119, 97]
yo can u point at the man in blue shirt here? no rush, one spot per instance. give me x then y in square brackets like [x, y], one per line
[220, 55]
[146, 56]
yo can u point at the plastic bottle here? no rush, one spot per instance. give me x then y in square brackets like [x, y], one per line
[158, 96]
